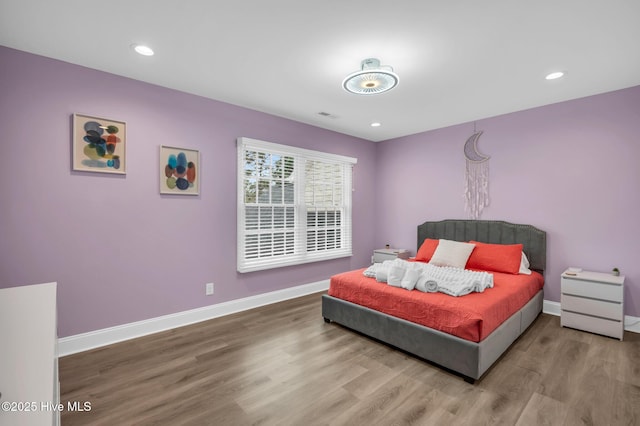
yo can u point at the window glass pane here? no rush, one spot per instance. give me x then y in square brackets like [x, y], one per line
[321, 240]
[283, 167]
[290, 218]
[261, 159]
[266, 217]
[265, 245]
[289, 242]
[289, 166]
[251, 217]
[311, 240]
[321, 220]
[337, 195]
[331, 218]
[278, 217]
[331, 238]
[276, 192]
[289, 193]
[263, 192]
[311, 218]
[250, 164]
[326, 196]
[265, 165]
[250, 187]
[322, 184]
[251, 246]
[278, 244]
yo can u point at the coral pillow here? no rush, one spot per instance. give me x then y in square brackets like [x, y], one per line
[426, 250]
[496, 257]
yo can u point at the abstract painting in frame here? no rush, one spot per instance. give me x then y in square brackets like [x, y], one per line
[99, 145]
[179, 171]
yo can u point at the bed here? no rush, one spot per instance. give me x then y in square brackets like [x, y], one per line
[467, 358]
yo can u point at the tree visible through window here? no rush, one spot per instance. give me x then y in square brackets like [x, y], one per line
[294, 205]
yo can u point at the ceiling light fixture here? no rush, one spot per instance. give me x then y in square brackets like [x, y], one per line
[376, 124]
[371, 79]
[554, 75]
[142, 49]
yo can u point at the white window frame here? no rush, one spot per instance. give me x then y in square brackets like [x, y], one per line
[300, 254]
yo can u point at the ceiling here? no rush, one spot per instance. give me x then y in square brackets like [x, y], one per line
[458, 61]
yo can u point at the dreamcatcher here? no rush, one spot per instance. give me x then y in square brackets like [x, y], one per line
[476, 190]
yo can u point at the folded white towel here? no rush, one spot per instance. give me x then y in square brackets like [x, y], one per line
[410, 279]
[382, 272]
[395, 276]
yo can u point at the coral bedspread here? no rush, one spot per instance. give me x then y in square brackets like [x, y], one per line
[472, 317]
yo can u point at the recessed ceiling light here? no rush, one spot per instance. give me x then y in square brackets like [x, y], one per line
[554, 75]
[376, 124]
[142, 49]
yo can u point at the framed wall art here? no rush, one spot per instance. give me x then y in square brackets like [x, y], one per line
[99, 145]
[179, 171]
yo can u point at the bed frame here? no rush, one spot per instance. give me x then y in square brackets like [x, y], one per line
[468, 359]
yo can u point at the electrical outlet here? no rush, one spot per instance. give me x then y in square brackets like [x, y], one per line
[209, 289]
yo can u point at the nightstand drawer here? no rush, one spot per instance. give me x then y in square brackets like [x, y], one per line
[592, 307]
[592, 324]
[381, 255]
[592, 289]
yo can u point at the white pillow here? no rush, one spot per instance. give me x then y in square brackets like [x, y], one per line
[452, 253]
[524, 265]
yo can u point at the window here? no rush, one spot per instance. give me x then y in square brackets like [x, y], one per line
[294, 205]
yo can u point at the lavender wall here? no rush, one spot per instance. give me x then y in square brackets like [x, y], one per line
[119, 251]
[122, 253]
[571, 169]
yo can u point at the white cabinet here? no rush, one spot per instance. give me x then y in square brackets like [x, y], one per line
[28, 356]
[381, 255]
[594, 302]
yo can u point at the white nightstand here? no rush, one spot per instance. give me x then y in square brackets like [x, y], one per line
[380, 255]
[593, 301]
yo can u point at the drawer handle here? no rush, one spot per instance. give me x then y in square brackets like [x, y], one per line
[589, 315]
[593, 298]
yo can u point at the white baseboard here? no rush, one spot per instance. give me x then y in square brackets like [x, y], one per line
[551, 308]
[630, 323]
[95, 339]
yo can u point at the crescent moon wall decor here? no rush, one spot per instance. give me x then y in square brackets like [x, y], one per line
[471, 148]
[476, 190]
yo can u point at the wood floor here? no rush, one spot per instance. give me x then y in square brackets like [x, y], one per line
[283, 365]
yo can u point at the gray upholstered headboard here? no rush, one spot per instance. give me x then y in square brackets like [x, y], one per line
[534, 240]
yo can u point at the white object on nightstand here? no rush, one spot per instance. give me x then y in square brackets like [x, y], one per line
[381, 255]
[593, 301]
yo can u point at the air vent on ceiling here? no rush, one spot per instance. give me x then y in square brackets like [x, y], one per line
[327, 114]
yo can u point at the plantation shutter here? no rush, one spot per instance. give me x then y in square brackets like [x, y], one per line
[294, 205]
